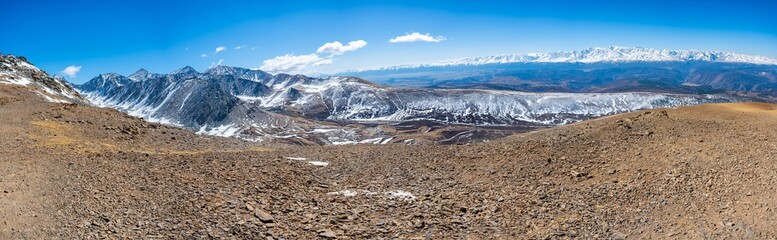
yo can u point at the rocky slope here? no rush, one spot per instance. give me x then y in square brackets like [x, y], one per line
[73, 171]
[19, 72]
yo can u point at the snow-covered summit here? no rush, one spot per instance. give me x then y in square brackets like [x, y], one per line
[143, 74]
[251, 74]
[225, 70]
[185, 70]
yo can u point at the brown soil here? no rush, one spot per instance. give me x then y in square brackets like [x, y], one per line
[69, 171]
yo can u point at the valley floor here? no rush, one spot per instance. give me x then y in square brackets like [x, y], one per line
[700, 172]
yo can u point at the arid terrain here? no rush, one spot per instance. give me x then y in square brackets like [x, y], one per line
[78, 172]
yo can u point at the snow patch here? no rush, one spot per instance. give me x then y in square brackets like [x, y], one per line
[319, 163]
[15, 80]
[401, 194]
[324, 130]
[245, 98]
[396, 194]
[314, 163]
[53, 100]
[228, 130]
[345, 193]
[379, 140]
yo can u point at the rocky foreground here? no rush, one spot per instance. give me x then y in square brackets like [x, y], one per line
[71, 171]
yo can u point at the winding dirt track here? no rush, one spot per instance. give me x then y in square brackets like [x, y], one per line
[699, 172]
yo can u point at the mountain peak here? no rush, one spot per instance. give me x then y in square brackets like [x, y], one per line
[109, 75]
[245, 73]
[141, 71]
[142, 75]
[223, 70]
[185, 70]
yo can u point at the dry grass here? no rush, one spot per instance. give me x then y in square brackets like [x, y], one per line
[750, 107]
[61, 135]
[54, 134]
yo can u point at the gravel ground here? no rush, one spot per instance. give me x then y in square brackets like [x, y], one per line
[69, 171]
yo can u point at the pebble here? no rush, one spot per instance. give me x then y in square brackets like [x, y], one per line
[327, 233]
[263, 216]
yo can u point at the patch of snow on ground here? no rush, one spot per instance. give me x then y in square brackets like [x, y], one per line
[319, 163]
[345, 193]
[324, 130]
[314, 163]
[27, 65]
[221, 131]
[245, 98]
[54, 100]
[379, 140]
[398, 194]
[17, 81]
[164, 121]
[401, 194]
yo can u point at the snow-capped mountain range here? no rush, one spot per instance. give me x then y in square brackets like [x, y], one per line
[252, 104]
[613, 69]
[605, 55]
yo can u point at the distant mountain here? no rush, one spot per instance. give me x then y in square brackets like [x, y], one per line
[607, 55]
[143, 74]
[255, 105]
[613, 69]
[18, 71]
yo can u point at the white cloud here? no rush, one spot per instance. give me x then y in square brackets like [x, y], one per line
[253, 48]
[292, 63]
[417, 37]
[204, 55]
[337, 48]
[324, 61]
[219, 49]
[214, 64]
[71, 71]
[239, 47]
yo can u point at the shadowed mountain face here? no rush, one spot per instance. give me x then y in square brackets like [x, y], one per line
[252, 104]
[167, 98]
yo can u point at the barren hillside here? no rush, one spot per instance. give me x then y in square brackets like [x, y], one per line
[73, 171]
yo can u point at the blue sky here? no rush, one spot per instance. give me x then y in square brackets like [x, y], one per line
[123, 36]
